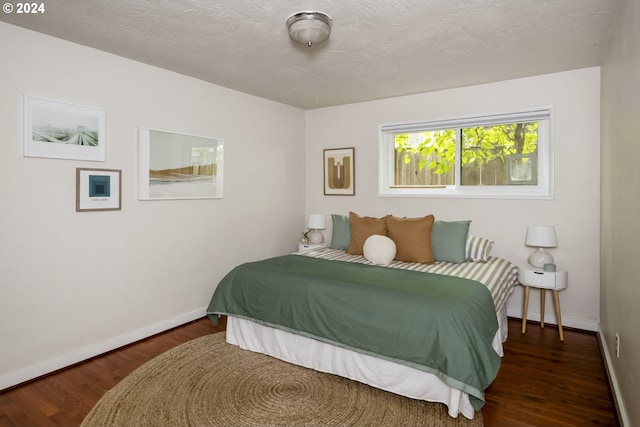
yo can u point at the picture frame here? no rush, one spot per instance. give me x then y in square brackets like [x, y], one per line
[179, 166]
[98, 189]
[63, 130]
[339, 171]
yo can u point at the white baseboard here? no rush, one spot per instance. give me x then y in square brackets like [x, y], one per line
[44, 367]
[550, 318]
[613, 381]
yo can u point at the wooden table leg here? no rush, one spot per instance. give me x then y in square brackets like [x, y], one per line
[543, 293]
[556, 300]
[525, 308]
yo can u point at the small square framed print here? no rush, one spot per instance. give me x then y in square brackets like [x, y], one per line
[98, 190]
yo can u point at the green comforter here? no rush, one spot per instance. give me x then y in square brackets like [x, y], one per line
[436, 323]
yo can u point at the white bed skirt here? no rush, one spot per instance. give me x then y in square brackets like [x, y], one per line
[380, 373]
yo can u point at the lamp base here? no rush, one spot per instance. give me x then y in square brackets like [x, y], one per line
[540, 257]
[315, 236]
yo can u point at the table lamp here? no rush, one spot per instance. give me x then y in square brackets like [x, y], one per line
[316, 222]
[540, 237]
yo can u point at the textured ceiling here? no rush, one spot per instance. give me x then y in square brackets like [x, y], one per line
[377, 48]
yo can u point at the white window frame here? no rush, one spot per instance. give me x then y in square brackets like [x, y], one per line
[543, 190]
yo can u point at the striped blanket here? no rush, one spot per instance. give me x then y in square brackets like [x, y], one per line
[497, 274]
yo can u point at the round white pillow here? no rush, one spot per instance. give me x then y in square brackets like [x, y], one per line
[379, 250]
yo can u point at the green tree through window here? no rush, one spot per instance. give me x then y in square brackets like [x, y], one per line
[429, 157]
[505, 155]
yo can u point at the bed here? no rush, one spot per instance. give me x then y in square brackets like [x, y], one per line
[430, 331]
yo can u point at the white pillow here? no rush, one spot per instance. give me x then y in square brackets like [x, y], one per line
[379, 250]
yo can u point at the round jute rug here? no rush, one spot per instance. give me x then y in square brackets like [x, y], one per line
[208, 382]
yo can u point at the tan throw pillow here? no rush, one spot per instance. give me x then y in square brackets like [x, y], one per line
[361, 228]
[412, 237]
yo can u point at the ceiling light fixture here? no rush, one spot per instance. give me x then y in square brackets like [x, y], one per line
[309, 27]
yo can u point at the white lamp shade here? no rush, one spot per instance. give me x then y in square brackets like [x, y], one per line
[541, 236]
[316, 222]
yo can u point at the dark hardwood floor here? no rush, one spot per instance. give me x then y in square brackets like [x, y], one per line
[546, 382]
[542, 381]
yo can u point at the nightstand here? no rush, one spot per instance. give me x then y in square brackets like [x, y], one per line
[309, 246]
[554, 281]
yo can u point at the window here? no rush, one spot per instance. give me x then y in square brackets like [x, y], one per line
[506, 155]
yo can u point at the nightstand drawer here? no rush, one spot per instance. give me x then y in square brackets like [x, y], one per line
[544, 279]
[310, 246]
[540, 278]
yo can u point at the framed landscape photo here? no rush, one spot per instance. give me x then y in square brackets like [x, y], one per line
[339, 172]
[179, 166]
[98, 189]
[62, 130]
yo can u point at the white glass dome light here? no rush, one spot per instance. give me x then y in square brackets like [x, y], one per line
[309, 27]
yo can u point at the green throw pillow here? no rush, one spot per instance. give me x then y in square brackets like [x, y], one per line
[341, 235]
[449, 240]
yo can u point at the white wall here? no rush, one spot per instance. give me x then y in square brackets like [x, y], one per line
[575, 99]
[620, 228]
[75, 284]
